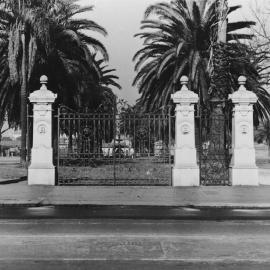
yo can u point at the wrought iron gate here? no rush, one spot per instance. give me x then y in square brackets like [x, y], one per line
[213, 145]
[114, 149]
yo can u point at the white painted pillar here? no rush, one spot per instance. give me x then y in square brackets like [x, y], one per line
[41, 170]
[186, 170]
[243, 169]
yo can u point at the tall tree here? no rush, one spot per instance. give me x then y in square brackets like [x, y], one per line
[107, 81]
[44, 37]
[179, 40]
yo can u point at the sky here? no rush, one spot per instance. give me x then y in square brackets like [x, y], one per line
[121, 18]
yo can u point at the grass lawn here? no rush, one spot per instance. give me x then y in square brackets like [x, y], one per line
[124, 172]
[11, 171]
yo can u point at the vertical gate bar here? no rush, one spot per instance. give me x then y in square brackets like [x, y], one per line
[73, 130]
[103, 154]
[149, 135]
[111, 117]
[170, 126]
[88, 148]
[70, 137]
[129, 135]
[114, 135]
[124, 131]
[58, 142]
[85, 140]
[154, 132]
[93, 155]
[99, 135]
[200, 142]
[69, 116]
[134, 134]
[163, 133]
[68, 124]
[27, 136]
[226, 150]
[158, 127]
[63, 122]
[79, 136]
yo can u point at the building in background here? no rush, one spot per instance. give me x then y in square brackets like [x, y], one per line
[10, 141]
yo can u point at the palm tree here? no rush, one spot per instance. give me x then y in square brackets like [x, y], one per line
[43, 37]
[107, 81]
[179, 41]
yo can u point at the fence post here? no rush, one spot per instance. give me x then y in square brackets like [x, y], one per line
[185, 170]
[41, 170]
[243, 169]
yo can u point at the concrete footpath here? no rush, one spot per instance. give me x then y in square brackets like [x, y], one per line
[20, 194]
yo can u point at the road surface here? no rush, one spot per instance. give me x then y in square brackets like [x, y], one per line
[47, 240]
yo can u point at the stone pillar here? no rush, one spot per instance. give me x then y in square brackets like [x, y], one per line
[41, 170]
[243, 169]
[186, 170]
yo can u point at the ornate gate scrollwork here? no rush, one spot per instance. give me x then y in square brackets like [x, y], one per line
[213, 143]
[114, 149]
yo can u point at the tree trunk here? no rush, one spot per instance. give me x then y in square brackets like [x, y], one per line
[222, 23]
[23, 103]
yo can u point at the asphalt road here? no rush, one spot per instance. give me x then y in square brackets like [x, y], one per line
[133, 212]
[45, 240]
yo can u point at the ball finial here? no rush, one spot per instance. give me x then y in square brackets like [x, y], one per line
[242, 80]
[43, 79]
[184, 80]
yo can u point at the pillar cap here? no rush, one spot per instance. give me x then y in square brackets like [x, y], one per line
[184, 95]
[242, 95]
[43, 95]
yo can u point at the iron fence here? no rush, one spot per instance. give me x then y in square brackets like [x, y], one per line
[213, 142]
[114, 149]
[133, 148]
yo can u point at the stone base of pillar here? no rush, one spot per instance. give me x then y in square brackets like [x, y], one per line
[244, 176]
[185, 177]
[41, 176]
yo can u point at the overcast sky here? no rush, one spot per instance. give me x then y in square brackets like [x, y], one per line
[121, 18]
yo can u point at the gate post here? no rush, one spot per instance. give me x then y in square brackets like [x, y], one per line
[185, 170]
[41, 170]
[243, 169]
